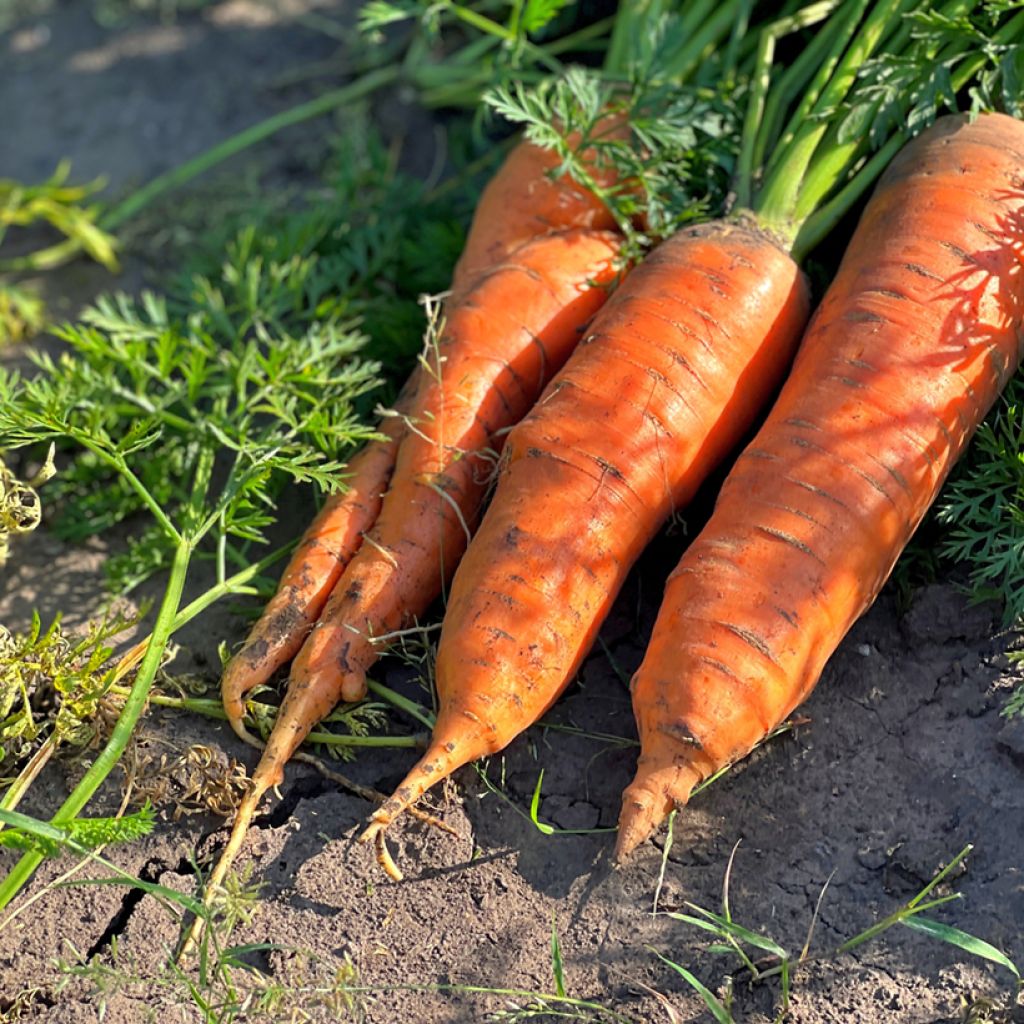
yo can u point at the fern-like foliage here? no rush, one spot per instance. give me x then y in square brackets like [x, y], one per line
[983, 508]
[671, 166]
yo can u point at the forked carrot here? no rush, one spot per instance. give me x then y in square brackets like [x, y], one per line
[521, 202]
[497, 349]
[913, 342]
[322, 554]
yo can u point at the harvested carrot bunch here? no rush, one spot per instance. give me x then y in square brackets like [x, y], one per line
[672, 372]
[542, 256]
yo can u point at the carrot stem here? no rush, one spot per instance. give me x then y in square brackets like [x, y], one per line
[712, 28]
[797, 78]
[804, 175]
[740, 28]
[759, 81]
[835, 42]
[411, 708]
[215, 709]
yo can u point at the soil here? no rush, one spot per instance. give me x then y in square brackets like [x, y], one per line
[902, 757]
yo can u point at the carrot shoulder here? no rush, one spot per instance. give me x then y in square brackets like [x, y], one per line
[666, 381]
[910, 347]
[525, 200]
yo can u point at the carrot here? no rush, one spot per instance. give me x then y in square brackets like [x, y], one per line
[673, 371]
[912, 344]
[322, 554]
[521, 202]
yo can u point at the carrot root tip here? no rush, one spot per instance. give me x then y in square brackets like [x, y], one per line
[353, 687]
[647, 802]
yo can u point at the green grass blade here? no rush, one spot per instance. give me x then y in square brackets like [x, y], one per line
[556, 961]
[535, 808]
[963, 940]
[186, 902]
[711, 1001]
[721, 927]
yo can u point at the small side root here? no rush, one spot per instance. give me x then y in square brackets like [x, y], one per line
[384, 858]
[239, 830]
[368, 793]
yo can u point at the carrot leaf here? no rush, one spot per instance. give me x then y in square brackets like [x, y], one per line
[673, 165]
[983, 507]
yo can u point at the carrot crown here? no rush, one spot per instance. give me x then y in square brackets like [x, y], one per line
[672, 73]
[873, 75]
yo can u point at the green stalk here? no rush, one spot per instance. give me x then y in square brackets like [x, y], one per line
[794, 80]
[695, 15]
[829, 169]
[802, 177]
[42, 259]
[845, 29]
[133, 707]
[211, 708]
[235, 584]
[1010, 32]
[410, 707]
[482, 23]
[122, 468]
[740, 29]
[896, 917]
[744, 177]
[754, 121]
[713, 28]
[576, 40]
[630, 19]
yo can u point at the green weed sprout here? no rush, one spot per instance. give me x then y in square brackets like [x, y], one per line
[761, 957]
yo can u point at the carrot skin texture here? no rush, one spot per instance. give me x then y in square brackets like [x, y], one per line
[911, 345]
[521, 202]
[498, 349]
[314, 568]
[645, 407]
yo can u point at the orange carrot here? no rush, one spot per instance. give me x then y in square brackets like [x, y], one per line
[913, 342]
[521, 202]
[317, 563]
[667, 380]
